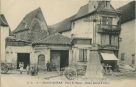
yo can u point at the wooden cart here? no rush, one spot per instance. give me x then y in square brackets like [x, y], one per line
[72, 72]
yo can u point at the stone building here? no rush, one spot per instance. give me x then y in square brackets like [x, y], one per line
[94, 31]
[127, 48]
[91, 34]
[4, 33]
[33, 43]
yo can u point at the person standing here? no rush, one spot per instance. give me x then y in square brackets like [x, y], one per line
[48, 66]
[21, 66]
[28, 69]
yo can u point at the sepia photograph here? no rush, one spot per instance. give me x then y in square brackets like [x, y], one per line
[67, 43]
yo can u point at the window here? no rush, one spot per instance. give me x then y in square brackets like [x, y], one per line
[114, 40]
[82, 55]
[105, 39]
[104, 19]
[83, 41]
[107, 20]
[122, 56]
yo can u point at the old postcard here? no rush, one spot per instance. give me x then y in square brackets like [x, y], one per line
[67, 43]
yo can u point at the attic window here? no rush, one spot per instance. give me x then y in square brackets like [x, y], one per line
[106, 3]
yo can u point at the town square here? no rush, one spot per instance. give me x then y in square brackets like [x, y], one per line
[75, 42]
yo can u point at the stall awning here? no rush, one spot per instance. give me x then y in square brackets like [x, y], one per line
[109, 56]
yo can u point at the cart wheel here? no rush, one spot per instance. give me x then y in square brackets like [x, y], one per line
[4, 69]
[70, 74]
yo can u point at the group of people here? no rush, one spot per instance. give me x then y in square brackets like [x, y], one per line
[107, 68]
[21, 68]
[34, 69]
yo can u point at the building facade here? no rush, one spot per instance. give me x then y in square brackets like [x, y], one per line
[33, 44]
[4, 33]
[127, 35]
[95, 32]
[90, 35]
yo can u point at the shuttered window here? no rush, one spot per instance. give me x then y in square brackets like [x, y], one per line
[104, 20]
[105, 39]
[122, 56]
[82, 55]
[114, 40]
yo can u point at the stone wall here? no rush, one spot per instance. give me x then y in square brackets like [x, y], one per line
[4, 33]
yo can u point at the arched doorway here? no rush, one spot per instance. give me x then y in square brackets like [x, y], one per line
[41, 59]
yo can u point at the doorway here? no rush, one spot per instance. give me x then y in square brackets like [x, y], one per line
[60, 58]
[41, 60]
[23, 57]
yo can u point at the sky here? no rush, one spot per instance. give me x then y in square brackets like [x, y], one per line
[54, 10]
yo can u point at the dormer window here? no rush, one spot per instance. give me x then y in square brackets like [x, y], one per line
[107, 3]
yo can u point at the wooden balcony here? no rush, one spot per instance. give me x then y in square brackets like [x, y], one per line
[108, 47]
[112, 29]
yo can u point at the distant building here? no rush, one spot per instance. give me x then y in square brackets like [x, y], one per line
[4, 33]
[127, 50]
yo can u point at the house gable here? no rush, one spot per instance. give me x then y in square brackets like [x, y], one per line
[27, 21]
[33, 27]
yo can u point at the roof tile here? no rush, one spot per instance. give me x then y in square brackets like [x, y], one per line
[127, 12]
[55, 39]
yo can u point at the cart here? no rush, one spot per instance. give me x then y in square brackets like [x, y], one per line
[5, 67]
[73, 71]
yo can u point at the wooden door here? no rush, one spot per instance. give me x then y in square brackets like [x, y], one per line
[41, 60]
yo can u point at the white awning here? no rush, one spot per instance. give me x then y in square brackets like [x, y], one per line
[109, 56]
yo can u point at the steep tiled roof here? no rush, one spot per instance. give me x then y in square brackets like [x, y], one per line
[12, 38]
[54, 39]
[62, 26]
[26, 23]
[38, 35]
[127, 12]
[3, 21]
[82, 12]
